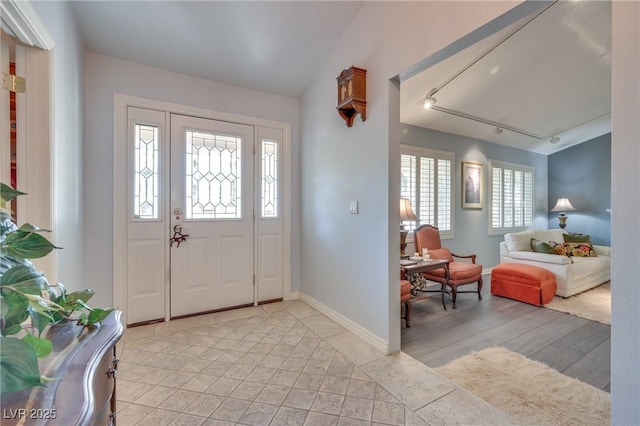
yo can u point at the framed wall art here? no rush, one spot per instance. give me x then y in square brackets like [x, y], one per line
[472, 185]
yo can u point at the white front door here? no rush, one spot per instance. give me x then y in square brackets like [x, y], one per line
[211, 207]
[204, 228]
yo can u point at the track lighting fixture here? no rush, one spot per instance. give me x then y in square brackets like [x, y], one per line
[428, 102]
[554, 139]
[499, 130]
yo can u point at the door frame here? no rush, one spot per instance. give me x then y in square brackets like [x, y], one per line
[120, 185]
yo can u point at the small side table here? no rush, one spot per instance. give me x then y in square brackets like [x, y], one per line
[414, 267]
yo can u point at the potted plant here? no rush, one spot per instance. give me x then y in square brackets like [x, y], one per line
[26, 296]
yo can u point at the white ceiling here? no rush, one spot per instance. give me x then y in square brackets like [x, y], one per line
[268, 46]
[550, 76]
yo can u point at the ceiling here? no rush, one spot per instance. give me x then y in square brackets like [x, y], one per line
[546, 75]
[273, 47]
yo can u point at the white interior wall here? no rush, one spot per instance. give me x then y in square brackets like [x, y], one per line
[625, 215]
[67, 144]
[349, 261]
[106, 76]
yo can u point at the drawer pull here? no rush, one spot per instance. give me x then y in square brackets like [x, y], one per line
[115, 362]
[111, 373]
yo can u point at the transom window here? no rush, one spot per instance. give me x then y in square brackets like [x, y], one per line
[425, 180]
[511, 188]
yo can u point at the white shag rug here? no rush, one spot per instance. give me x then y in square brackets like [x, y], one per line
[593, 304]
[530, 392]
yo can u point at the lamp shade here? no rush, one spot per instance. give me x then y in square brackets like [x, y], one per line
[406, 213]
[563, 205]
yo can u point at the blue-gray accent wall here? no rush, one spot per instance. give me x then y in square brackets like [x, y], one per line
[582, 173]
[472, 226]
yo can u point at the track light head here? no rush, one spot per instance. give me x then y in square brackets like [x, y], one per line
[554, 139]
[499, 130]
[428, 102]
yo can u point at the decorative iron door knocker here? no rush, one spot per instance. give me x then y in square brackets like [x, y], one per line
[178, 236]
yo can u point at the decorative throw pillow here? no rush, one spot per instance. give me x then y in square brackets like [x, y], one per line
[576, 238]
[561, 249]
[580, 249]
[541, 247]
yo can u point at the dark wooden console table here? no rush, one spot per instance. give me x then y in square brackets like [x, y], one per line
[84, 360]
[418, 266]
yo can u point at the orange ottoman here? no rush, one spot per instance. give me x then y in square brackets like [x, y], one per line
[525, 283]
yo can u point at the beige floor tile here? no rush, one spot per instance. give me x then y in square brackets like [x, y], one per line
[284, 378]
[247, 390]
[309, 381]
[180, 400]
[334, 384]
[273, 394]
[328, 403]
[287, 416]
[155, 396]
[362, 389]
[132, 414]
[204, 405]
[199, 383]
[223, 386]
[231, 410]
[130, 391]
[388, 413]
[357, 408]
[259, 414]
[158, 417]
[300, 398]
[320, 419]
[184, 419]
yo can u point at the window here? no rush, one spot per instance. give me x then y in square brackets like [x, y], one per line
[269, 178]
[511, 207]
[145, 174]
[425, 179]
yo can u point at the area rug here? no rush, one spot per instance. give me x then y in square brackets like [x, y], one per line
[530, 392]
[594, 304]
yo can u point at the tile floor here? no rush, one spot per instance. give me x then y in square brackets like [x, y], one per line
[279, 364]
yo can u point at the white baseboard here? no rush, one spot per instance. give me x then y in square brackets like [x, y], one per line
[292, 295]
[375, 341]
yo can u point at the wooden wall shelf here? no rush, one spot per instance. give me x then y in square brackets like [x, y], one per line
[352, 94]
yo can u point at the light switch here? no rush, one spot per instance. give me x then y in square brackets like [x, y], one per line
[353, 207]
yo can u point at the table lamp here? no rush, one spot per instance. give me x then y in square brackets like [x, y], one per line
[562, 205]
[406, 213]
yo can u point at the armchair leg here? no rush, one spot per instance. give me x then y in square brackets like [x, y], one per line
[408, 307]
[479, 289]
[454, 294]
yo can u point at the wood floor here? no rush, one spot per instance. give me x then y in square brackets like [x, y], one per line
[575, 346]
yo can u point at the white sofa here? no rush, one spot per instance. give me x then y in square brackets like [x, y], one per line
[571, 278]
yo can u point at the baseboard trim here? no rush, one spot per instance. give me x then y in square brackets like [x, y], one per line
[375, 341]
[292, 295]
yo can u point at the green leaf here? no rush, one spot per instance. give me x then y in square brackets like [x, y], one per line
[43, 347]
[40, 321]
[27, 245]
[28, 227]
[83, 295]
[25, 279]
[19, 365]
[7, 193]
[97, 315]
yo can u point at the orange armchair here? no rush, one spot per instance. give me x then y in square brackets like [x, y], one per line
[460, 272]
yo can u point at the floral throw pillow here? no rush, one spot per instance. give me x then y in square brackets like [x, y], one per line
[574, 249]
[580, 249]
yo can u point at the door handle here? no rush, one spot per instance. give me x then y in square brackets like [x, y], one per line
[178, 236]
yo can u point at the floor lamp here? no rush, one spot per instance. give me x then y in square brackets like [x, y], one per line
[406, 213]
